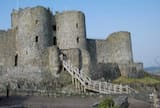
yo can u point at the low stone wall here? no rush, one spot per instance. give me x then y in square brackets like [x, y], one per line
[130, 70]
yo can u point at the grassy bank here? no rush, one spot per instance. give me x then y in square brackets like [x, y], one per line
[148, 80]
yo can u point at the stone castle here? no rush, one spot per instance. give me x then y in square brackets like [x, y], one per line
[30, 50]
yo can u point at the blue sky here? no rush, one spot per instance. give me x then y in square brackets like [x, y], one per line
[140, 17]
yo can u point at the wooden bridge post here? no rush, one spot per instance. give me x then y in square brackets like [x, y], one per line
[127, 89]
[78, 86]
[99, 86]
[83, 88]
[73, 81]
[76, 83]
[120, 89]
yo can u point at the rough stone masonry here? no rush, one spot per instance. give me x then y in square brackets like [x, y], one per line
[29, 51]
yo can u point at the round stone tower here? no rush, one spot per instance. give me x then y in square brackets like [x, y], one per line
[120, 48]
[34, 34]
[71, 30]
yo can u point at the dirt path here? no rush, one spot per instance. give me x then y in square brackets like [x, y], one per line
[60, 102]
[133, 103]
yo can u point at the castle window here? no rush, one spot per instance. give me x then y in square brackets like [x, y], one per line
[16, 28]
[36, 21]
[76, 25]
[77, 39]
[54, 27]
[36, 39]
[54, 41]
[16, 60]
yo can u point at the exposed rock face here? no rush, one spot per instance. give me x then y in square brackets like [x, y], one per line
[121, 101]
[30, 50]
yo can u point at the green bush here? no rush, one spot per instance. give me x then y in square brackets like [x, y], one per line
[107, 103]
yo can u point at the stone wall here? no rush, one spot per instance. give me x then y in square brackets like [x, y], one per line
[116, 49]
[86, 62]
[65, 79]
[7, 48]
[107, 71]
[133, 70]
[139, 66]
[79, 58]
[74, 55]
[54, 64]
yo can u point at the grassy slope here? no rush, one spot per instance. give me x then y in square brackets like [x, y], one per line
[148, 80]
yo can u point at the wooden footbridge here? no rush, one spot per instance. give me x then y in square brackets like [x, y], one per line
[84, 83]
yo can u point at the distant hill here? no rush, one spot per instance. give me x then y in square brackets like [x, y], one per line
[153, 70]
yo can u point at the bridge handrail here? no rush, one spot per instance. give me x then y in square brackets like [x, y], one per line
[102, 87]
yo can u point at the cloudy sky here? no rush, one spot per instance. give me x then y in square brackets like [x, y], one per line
[140, 17]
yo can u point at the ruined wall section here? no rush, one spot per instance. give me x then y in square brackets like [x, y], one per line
[139, 66]
[54, 64]
[74, 55]
[7, 47]
[102, 52]
[34, 34]
[92, 48]
[71, 30]
[115, 49]
[79, 58]
[98, 50]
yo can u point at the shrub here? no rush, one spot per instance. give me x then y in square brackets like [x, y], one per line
[107, 103]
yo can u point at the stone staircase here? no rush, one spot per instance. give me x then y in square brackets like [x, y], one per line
[82, 82]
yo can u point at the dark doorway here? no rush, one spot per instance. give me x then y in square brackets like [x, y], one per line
[77, 39]
[54, 27]
[54, 41]
[36, 21]
[76, 25]
[16, 60]
[36, 39]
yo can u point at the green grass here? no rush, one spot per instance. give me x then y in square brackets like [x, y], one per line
[148, 80]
